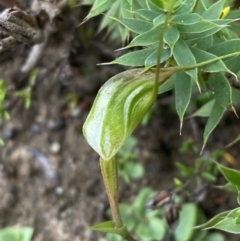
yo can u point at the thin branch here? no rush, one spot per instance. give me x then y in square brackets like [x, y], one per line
[11, 4]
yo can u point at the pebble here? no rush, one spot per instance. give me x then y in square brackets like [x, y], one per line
[55, 147]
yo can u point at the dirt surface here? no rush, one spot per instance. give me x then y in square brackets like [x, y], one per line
[49, 176]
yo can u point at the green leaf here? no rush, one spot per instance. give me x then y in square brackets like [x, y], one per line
[214, 11]
[99, 7]
[109, 227]
[226, 47]
[168, 85]
[221, 88]
[147, 38]
[183, 56]
[201, 56]
[205, 110]
[199, 27]
[209, 176]
[229, 224]
[128, 216]
[134, 170]
[183, 91]
[152, 59]
[215, 236]
[118, 108]
[212, 222]
[154, 229]
[159, 20]
[231, 175]
[186, 19]
[115, 237]
[134, 59]
[214, 118]
[185, 170]
[205, 43]
[16, 234]
[1, 142]
[136, 25]
[140, 202]
[171, 36]
[187, 220]
[186, 7]
[206, 33]
[147, 14]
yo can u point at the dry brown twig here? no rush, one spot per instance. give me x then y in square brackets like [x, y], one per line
[34, 26]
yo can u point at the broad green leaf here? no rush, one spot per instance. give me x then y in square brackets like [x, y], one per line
[135, 170]
[201, 56]
[128, 216]
[152, 59]
[215, 236]
[214, 118]
[171, 36]
[16, 234]
[115, 237]
[205, 33]
[120, 105]
[147, 14]
[134, 59]
[160, 19]
[109, 227]
[214, 11]
[212, 222]
[183, 91]
[155, 5]
[186, 19]
[98, 7]
[125, 9]
[136, 25]
[229, 224]
[154, 229]
[199, 27]
[205, 110]
[236, 96]
[205, 42]
[231, 175]
[186, 7]
[233, 64]
[183, 56]
[187, 220]
[147, 38]
[226, 47]
[139, 205]
[221, 88]
[168, 85]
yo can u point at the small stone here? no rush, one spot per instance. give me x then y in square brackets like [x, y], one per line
[55, 147]
[59, 191]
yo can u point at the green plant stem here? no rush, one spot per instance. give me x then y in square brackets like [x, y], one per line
[206, 62]
[160, 46]
[110, 178]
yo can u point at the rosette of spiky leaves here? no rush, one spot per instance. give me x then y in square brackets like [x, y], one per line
[197, 31]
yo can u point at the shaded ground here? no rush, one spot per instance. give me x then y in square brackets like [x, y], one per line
[49, 176]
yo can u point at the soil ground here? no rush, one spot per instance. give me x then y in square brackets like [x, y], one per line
[49, 176]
